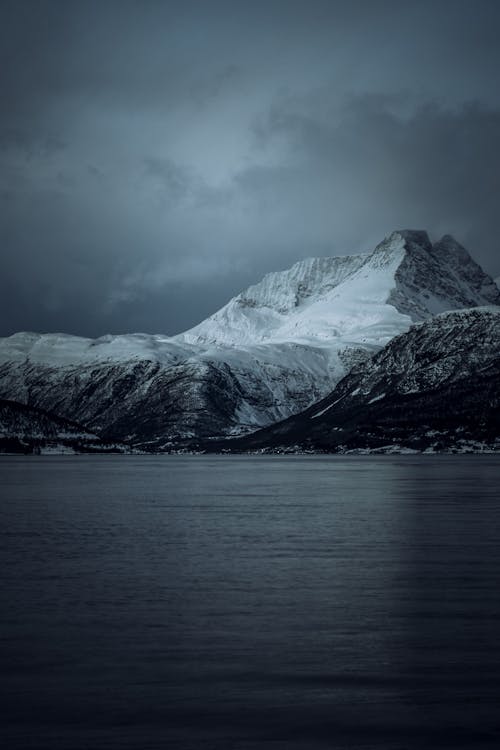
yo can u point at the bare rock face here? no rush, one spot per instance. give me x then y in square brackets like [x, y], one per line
[273, 350]
[439, 277]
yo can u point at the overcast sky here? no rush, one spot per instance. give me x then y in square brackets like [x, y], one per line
[158, 157]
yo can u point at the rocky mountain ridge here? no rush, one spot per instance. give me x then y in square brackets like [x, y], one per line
[269, 353]
[434, 387]
[320, 298]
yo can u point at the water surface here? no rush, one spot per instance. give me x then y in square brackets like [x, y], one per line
[286, 603]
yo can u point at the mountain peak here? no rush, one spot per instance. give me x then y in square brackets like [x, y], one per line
[433, 278]
[269, 352]
[451, 250]
[396, 245]
[353, 297]
[407, 239]
[413, 237]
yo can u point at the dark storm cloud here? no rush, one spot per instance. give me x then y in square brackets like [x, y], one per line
[155, 157]
[375, 167]
[174, 181]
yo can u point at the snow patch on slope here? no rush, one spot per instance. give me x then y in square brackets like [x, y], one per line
[60, 349]
[316, 300]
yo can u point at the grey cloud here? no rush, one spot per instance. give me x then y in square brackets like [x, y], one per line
[175, 180]
[369, 169]
[337, 188]
[156, 157]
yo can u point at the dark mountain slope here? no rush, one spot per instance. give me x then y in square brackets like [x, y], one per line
[26, 429]
[435, 387]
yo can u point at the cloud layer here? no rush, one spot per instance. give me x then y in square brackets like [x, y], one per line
[155, 158]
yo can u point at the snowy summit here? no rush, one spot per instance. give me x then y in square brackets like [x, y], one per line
[273, 350]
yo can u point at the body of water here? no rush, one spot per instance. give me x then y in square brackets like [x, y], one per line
[235, 603]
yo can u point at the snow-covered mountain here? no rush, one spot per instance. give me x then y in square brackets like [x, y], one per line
[270, 352]
[435, 387]
[362, 298]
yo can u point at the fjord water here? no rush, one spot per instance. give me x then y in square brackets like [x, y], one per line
[243, 602]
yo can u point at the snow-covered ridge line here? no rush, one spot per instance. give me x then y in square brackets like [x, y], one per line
[286, 290]
[467, 312]
[366, 298]
[272, 351]
[59, 349]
